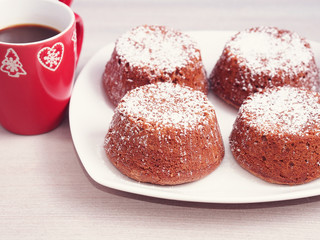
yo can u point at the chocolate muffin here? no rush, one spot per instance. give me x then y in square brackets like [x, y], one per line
[164, 134]
[262, 57]
[149, 54]
[276, 135]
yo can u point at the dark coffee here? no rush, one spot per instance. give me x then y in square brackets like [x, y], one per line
[26, 33]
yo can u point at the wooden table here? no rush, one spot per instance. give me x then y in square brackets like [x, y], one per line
[46, 193]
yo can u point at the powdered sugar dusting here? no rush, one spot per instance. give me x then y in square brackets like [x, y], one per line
[268, 50]
[156, 47]
[167, 104]
[287, 110]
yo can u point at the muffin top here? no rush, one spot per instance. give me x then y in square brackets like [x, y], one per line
[283, 110]
[157, 47]
[271, 51]
[165, 104]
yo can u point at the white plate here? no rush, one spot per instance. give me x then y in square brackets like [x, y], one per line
[90, 115]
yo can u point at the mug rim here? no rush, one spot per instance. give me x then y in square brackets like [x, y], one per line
[66, 29]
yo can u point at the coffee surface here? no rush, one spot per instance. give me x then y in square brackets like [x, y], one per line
[26, 33]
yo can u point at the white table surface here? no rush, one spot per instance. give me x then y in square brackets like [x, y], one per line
[45, 193]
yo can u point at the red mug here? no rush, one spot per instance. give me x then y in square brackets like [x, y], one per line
[36, 78]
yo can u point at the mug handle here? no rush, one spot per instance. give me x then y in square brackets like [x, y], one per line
[79, 29]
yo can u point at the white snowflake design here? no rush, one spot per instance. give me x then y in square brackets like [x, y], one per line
[74, 36]
[51, 57]
[12, 65]
[74, 39]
